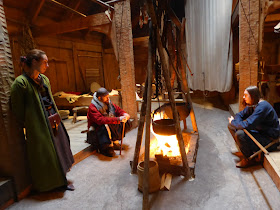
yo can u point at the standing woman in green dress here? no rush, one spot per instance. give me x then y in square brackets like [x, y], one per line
[47, 141]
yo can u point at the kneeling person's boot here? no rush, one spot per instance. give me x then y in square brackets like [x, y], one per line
[116, 145]
[107, 150]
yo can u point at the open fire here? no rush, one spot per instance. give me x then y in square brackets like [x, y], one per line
[165, 145]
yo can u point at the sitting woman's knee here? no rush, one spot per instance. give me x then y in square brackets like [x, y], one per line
[240, 134]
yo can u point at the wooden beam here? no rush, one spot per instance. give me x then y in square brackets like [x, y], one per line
[124, 47]
[113, 1]
[67, 14]
[35, 10]
[183, 73]
[173, 17]
[103, 4]
[72, 25]
[235, 14]
[272, 18]
[66, 7]
[170, 93]
[15, 14]
[145, 205]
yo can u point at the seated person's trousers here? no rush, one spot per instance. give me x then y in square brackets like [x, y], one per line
[101, 137]
[246, 145]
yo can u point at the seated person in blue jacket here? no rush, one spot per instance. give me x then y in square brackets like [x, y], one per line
[260, 120]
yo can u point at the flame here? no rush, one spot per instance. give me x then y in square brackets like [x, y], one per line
[165, 145]
[158, 116]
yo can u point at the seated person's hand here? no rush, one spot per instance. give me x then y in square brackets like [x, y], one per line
[230, 119]
[123, 119]
[127, 116]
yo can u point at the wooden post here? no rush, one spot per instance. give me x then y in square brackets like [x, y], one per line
[124, 41]
[248, 45]
[140, 129]
[148, 125]
[173, 56]
[170, 93]
[13, 160]
[183, 74]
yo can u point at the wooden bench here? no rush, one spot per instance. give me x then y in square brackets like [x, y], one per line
[75, 112]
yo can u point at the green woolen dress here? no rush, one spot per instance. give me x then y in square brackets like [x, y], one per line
[49, 154]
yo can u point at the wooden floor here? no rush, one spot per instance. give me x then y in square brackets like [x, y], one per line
[77, 139]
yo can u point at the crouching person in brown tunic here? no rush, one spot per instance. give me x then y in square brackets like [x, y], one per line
[48, 146]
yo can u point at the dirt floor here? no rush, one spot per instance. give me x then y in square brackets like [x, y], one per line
[106, 183]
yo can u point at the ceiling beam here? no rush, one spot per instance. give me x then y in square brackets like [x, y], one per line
[67, 14]
[112, 1]
[103, 4]
[272, 18]
[72, 25]
[66, 7]
[34, 10]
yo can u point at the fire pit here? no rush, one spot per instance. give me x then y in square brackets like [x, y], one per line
[164, 147]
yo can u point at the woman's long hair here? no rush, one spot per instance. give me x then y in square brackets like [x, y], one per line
[255, 94]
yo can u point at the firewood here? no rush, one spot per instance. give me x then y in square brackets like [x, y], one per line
[165, 182]
[162, 181]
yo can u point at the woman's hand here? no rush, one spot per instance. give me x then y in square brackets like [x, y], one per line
[230, 119]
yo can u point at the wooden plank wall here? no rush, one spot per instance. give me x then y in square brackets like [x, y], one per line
[140, 46]
[73, 63]
[111, 70]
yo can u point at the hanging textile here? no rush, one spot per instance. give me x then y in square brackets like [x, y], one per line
[209, 44]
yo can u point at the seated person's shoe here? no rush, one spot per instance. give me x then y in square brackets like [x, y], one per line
[245, 163]
[70, 187]
[116, 145]
[107, 150]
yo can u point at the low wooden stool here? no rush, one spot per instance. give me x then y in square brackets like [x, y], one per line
[75, 112]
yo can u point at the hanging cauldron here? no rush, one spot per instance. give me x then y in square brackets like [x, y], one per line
[167, 126]
[164, 127]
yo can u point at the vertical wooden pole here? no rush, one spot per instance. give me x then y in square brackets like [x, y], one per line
[248, 45]
[171, 49]
[124, 42]
[170, 93]
[183, 74]
[13, 160]
[148, 125]
[140, 129]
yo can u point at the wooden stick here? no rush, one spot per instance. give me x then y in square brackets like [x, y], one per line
[145, 204]
[162, 181]
[140, 130]
[256, 142]
[122, 138]
[167, 183]
[184, 77]
[266, 147]
[170, 93]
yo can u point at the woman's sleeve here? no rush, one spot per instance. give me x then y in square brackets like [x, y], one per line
[252, 121]
[18, 100]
